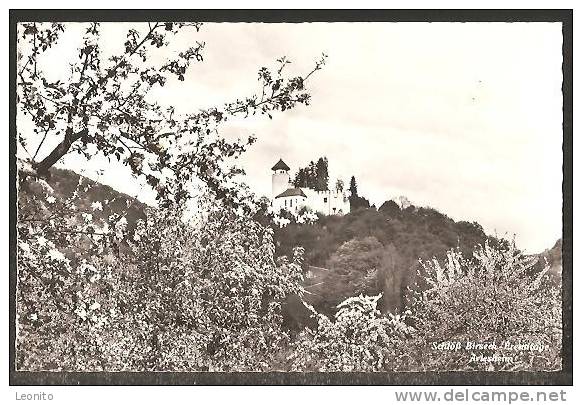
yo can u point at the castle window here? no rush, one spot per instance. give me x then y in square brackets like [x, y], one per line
[324, 199]
[290, 203]
[285, 203]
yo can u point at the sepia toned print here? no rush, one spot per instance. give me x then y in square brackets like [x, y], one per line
[312, 197]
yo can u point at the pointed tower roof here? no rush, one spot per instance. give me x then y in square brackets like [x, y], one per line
[280, 165]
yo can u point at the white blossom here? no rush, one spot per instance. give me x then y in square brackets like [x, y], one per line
[96, 206]
[24, 246]
[41, 240]
[81, 313]
[120, 226]
[57, 255]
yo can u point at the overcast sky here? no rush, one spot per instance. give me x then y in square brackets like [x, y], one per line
[462, 117]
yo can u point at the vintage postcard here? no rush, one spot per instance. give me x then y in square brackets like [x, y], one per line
[291, 197]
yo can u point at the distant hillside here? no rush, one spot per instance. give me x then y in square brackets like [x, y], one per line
[554, 260]
[65, 183]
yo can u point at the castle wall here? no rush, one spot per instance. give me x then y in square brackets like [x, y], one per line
[327, 202]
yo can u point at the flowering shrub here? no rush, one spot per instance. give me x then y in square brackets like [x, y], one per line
[485, 313]
[97, 293]
[492, 297]
[359, 339]
[306, 216]
[285, 217]
[206, 296]
[62, 272]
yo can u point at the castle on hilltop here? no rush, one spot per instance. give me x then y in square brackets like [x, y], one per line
[286, 196]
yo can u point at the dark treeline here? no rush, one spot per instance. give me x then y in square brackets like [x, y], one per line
[376, 250]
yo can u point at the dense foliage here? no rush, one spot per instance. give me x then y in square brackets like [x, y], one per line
[314, 176]
[489, 299]
[358, 339]
[205, 295]
[354, 269]
[372, 251]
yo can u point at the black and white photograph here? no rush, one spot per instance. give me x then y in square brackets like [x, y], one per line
[296, 194]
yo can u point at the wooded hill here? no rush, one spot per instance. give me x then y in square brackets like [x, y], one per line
[370, 251]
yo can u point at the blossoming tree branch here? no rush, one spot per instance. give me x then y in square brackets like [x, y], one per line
[106, 102]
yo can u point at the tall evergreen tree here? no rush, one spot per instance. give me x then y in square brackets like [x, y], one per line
[321, 175]
[353, 187]
[355, 200]
[312, 175]
[300, 178]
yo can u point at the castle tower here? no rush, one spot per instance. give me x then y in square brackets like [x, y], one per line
[280, 178]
